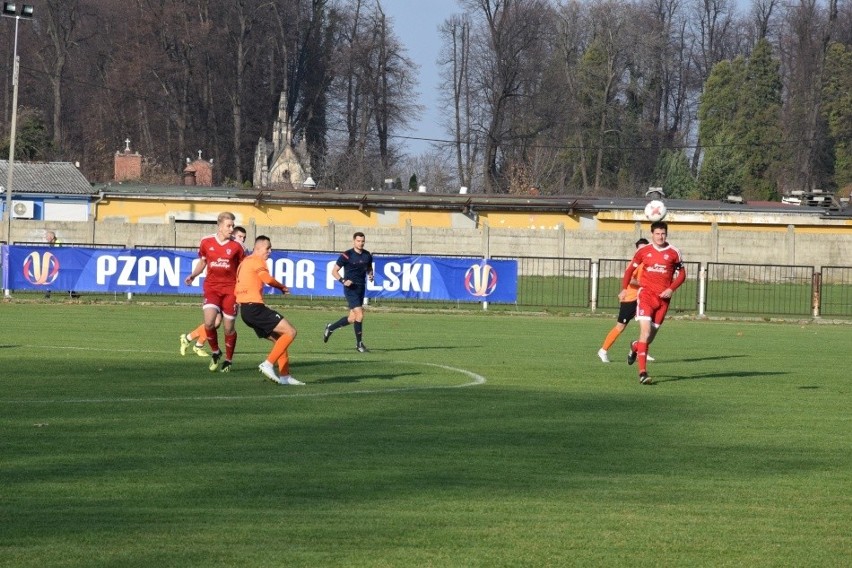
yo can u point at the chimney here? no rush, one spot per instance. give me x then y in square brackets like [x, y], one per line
[200, 170]
[128, 165]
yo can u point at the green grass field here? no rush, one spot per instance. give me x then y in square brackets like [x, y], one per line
[462, 439]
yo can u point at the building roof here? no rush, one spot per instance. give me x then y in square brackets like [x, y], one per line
[379, 199]
[46, 178]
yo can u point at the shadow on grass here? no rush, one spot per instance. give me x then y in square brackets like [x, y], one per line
[715, 358]
[207, 459]
[730, 375]
[358, 378]
[412, 348]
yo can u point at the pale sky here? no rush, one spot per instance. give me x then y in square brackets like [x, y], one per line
[416, 23]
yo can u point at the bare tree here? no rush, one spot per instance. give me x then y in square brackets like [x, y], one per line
[763, 13]
[712, 26]
[62, 19]
[510, 40]
[455, 61]
[806, 33]
[374, 84]
[394, 86]
[239, 33]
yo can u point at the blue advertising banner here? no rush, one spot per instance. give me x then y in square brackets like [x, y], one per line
[163, 271]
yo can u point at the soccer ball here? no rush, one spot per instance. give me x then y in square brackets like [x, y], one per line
[655, 210]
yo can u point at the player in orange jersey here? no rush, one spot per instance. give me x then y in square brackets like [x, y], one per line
[626, 311]
[663, 273]
[266, 322]
[220, 255]
[199, 334]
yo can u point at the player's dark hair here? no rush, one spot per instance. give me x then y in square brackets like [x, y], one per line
[643, 241]
[660, 225]
[359, 234]
[262, 238]
[239, 229]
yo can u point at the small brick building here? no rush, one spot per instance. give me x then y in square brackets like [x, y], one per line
[198, 172]
[128, 165]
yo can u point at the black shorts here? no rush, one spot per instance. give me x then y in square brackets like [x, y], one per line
[261, 318]
[354, 295]
[626, 312]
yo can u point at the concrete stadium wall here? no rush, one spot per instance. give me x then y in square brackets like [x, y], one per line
[739, 244]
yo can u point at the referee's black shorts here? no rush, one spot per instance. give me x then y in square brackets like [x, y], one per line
[261, 318]
[355, 295]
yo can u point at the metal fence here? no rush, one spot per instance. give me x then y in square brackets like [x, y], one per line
[835, 291]
[553, 282]
[760, 289]
[610, 272]
[711, 288]
[714, 288]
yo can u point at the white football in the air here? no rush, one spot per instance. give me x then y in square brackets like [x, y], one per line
[655, 210]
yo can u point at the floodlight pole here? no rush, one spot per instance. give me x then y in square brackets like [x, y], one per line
[9, 11]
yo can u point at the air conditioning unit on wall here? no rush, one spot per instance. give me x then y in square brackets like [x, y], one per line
[23, 209]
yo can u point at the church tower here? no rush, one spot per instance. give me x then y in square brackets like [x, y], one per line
[281, 163]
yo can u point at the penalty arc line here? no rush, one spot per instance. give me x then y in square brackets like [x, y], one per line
[476, 379]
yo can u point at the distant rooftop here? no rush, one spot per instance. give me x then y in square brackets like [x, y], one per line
[52, 178]
[377, 199]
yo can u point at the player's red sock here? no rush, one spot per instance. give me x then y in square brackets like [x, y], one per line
[230, 345]
[610, 338]
[642, 352]
[212, 338]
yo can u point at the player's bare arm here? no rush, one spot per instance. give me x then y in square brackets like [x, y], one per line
[199, 268]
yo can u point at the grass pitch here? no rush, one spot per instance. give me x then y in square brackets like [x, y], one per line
[460, 440]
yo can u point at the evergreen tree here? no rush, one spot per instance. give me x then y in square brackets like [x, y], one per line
[672, 173]
[837, 109]
[32, 141]
[718, 107]
[720, 173]
[740, 116]
[757, 124]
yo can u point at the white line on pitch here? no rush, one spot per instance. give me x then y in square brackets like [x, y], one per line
[476, 379]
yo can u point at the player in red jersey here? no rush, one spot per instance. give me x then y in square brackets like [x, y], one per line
[626, 311]
[663, 273]
[198, 334]
[220, 255]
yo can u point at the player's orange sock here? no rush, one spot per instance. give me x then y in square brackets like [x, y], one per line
[280, 349]
[198, 334]
[230, 345]
[212, 338]
[284, 365]
[642, 352]
[611, 337]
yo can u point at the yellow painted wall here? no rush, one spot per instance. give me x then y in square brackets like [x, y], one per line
[528, 220]
[150, 210]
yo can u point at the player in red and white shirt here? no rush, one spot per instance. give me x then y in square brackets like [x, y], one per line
[663, 273]
[220, 255]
